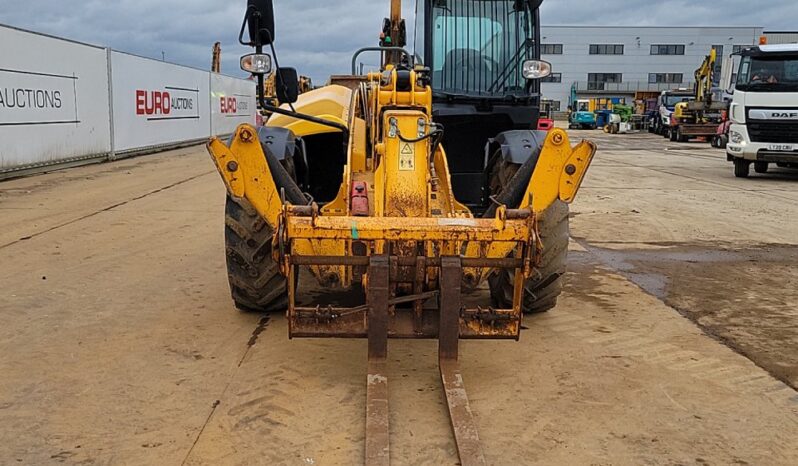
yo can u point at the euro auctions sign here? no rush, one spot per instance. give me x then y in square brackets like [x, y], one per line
[169, 103]
[234, 105]
[31, 98]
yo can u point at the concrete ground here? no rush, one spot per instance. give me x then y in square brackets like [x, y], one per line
[676, 341]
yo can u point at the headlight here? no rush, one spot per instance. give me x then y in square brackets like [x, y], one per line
[256, 63]
[536, 69]
[735, 137]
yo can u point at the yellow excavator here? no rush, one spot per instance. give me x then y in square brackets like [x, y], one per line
[701, 116]
[410, 188]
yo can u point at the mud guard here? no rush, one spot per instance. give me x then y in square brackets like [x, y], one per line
[517, 146]
[279, 142]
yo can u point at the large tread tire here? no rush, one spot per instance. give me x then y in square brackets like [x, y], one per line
[545, 286]
[255, 280]
[742, 168]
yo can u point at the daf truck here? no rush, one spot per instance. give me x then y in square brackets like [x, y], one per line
[764, 109]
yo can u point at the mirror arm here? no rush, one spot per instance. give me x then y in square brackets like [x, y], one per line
[244, 27]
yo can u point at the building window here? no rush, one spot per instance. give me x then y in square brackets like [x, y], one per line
[667, 50]
[596, 81]
[606, 49]
[550, 105]
[552, 78]
[551, 49]
[739, 48]
[669, 78]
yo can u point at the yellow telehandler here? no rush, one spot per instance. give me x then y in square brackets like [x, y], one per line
[409, 187]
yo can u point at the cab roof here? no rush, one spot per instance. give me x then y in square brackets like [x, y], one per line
[773, 49]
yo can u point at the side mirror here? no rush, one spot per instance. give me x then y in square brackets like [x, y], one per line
[260, 21]
[287, 85]
[726, 73]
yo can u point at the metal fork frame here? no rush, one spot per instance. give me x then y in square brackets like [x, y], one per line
[379, 319]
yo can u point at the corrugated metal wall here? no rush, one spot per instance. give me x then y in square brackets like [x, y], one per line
[782, 37]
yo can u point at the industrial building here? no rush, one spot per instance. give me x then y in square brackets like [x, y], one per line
[631, 63]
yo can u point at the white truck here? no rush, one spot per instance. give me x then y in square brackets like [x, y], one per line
[764, 108]
[666, 103]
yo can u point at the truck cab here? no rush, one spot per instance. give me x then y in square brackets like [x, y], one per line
[666, 105]
[764, 109]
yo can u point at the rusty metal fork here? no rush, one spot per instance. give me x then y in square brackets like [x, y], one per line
[377, 431]
[462, 419]
[463, 425]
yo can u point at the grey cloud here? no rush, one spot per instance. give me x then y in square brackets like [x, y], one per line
[318, 36]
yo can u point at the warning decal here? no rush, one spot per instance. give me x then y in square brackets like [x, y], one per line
[407, 156]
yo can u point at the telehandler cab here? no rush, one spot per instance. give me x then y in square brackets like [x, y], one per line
[411, 187]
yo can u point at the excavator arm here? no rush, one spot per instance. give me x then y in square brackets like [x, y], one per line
[703, 77]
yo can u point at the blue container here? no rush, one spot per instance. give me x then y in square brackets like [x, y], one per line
[602, 117]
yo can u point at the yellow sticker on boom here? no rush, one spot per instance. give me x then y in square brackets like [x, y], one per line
[407, 156]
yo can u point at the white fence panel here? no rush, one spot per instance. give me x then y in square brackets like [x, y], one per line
[53, 100]
[232, 103]
[156, 103]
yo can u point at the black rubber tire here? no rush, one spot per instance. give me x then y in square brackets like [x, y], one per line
[761, 167]
[742, 168]
[723, 141]
[673, 135]
[255, 280]
[542, 289]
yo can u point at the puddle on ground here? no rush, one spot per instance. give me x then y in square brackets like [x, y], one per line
[746, 297]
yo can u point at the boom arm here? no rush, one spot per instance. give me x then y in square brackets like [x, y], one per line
[393, 33]
[703, 77]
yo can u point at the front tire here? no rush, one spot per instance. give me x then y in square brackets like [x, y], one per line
[742, 168]
[545, 286]
[255, 280]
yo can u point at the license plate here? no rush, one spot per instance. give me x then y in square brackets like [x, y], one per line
[780, 147]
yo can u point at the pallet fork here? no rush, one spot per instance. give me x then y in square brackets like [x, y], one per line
[389, 315]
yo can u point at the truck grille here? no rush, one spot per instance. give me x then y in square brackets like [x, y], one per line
[773, 131]
[776, 131]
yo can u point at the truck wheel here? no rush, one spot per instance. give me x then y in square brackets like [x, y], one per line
[723, 141]
[761, 167]
[681, 137]
[545, 286]
[742, 168]
[255, 280]
[673, 135]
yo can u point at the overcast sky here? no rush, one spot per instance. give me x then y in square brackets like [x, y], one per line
[319, 36]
